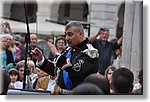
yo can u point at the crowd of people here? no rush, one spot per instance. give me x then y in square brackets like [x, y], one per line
[76, 65]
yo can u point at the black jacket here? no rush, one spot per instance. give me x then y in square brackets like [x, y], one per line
[105, 53]
[9, 57]
[82, 65]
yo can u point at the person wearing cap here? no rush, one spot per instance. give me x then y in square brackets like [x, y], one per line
[18, 50]
[105, 48]
[20, 43]
[13, 73]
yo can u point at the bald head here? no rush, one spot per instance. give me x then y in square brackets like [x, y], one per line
[33, 39]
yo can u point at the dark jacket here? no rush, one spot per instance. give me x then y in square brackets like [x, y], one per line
[82, 65]
[9, 56]
[9, 60]
[105, 53]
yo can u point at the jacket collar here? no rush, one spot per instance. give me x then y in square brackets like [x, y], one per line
[83, 43]
[103, 43]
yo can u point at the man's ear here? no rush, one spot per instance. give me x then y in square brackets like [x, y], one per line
[81, 33]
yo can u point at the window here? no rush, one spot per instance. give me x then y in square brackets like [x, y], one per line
[67, 9]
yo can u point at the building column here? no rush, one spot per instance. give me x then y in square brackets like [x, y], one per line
[132, 37]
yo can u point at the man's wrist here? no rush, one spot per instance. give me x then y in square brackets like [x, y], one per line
[40, 59]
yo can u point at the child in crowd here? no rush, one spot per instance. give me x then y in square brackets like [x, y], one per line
[117, 56]
[13, 73]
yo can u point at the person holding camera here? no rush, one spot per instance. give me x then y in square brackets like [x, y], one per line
[6, 29]
[105, 48]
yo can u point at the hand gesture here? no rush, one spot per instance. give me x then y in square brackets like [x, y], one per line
[100, 31]
[52, 48]
[37, 54]
[7, 25]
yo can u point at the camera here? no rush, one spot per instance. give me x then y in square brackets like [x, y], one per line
[5, 24]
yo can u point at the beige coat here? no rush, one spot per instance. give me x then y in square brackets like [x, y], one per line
[42, 83]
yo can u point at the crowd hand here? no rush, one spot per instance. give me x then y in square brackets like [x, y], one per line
[7, 25]
[99, 31]
[94, 37]
[52, 48]
[37, 54]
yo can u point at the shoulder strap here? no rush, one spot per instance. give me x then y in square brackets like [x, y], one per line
[67, 80]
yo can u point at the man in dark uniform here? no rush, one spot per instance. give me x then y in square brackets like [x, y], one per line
[77, 62]
[105, 48]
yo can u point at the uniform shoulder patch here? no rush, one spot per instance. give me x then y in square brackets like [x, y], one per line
[91, 51]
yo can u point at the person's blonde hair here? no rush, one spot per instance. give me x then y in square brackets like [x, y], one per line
[2, 37]
[20, 64]
[31, 65]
